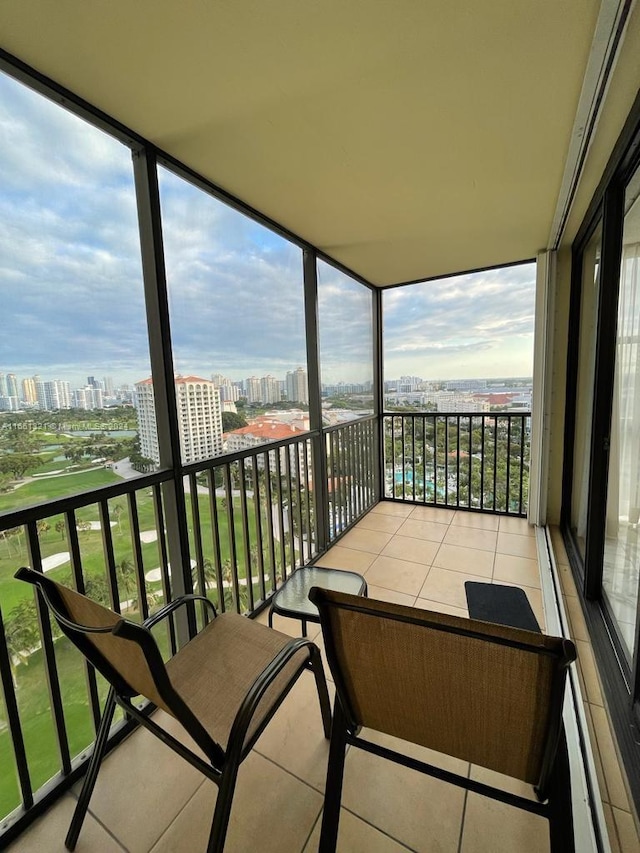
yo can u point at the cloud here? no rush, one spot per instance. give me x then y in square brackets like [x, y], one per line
[474, 325]
[73, 294]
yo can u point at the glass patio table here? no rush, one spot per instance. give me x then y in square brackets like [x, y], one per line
[292, 599]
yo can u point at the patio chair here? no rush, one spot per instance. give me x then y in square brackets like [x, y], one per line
[488, 694]
[223, 686]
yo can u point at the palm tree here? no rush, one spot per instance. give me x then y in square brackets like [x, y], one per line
[126, 575]
[117, 511]
[60, 527]
[43, 527]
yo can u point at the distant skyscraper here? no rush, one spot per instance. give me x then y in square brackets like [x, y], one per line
[3, 385]
[269, 390]
[199, 419]
[12, 385]
[253, 389]
[297, 387]
[29, 391]
[53, 395]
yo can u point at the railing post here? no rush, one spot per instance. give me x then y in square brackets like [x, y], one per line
[318, 451]
[156, 300]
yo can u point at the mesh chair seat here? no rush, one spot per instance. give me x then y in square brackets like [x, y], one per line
[212, 659]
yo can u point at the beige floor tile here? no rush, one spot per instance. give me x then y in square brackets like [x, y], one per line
[590, 677]
[477, 520]
[576, 618]
[535, 600]
[441, 607]
[272, 812]
[414, 550]
[602, 782]
[349, 559]
[393, 508]
[627, 833]
[520, 571]
[399, 575]
[469, 537]
[292, 627]
[372, 541]
[417, 810]
[518, 546]
[610, 764]
[612, 832]
[294, 738]
[493, 826]
[460, 559]
[133, 780]
[49, 831]
[566, 581]
[447, 586]
[432, 513]
[559, 551]
[432, 531]
[355, 836]
[504, 783]
[380, 521]
[516, 525]
[382, 594]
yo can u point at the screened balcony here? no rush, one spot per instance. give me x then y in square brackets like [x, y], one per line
[348, 152]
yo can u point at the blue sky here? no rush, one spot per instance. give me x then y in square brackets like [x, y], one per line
[71, 282]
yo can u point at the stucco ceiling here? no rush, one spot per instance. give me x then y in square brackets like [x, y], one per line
[405, 139]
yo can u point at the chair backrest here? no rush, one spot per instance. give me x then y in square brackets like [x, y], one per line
[126, 663]
[485, 693]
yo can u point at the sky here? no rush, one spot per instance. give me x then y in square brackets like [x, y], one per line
[71, 290]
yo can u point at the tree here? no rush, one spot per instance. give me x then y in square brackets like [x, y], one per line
[233, 420]
[60, 527]
[126, 575]
[117, 511]
[83, 526]
[43, 527]
[22, 630]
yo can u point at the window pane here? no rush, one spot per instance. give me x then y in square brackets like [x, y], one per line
[461, 344]
[621, 566]
[74, 336]
[584, 387]
[345, 310]
[237, 324]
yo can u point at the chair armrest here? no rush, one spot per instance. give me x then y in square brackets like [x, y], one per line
[173, 605]
[258, 689]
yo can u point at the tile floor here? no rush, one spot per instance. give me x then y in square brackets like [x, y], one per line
[148, 799]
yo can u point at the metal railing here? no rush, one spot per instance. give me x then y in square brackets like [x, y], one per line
[351, 454]
[250, 519]
[469, 461]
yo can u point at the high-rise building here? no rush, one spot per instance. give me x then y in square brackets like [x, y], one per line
[52, 395]
[297, 386]
[270, 389]
[29, 390]
[253, 389]
[199, 419]
[3, 385]
[12, 385]
[88, 398]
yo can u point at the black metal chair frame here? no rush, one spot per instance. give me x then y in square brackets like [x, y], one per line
[224, 765]
[553, 790]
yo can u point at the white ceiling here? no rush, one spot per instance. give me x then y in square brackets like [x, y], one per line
[404, 138]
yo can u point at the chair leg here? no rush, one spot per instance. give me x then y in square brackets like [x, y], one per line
[222, 813]
[315, 664]
[333, 787]
[560, 806]
[92, 772]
